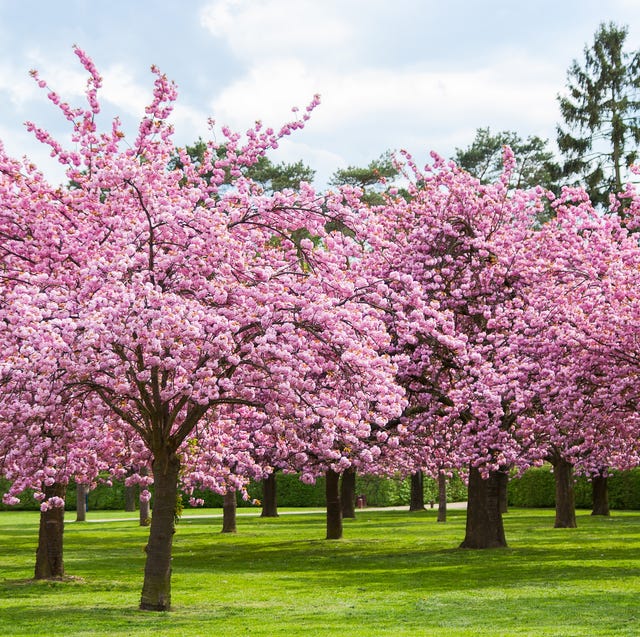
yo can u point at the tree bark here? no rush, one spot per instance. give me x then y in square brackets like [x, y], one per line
[348, 493]
[229, 506]
[81, 502]
[145, 505]
[503, 477]
[334, 509]
[416, 501]
[269, 497]
[485, 529]
[565, 496]
[600, 493]
[156, 590]
[145, 512]
[130, 498]
[442, 497]
[49, 554]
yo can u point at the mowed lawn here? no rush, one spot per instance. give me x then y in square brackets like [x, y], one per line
[395, 573]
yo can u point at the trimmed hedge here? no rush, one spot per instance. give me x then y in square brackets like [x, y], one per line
[536, 489]
[292, 492]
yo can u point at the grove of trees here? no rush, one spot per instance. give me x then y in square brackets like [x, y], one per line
[198, 317]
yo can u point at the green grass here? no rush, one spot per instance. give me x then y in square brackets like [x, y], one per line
[395, 574]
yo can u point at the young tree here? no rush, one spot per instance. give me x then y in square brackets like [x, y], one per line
[183, 300]
[600, 111]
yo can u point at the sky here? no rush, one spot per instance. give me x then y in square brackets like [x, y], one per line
[417, 75]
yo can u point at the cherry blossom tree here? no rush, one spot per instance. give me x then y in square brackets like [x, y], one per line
[453, 257]
[583, 418]
[181, 297]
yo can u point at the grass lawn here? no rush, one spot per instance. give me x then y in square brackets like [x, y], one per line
[395, 573]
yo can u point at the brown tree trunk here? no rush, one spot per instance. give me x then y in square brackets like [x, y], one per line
[156, 590]
[503, 477]
[229, 506]
[49, 554]
[145, 512]
[269, 497]
[442, 497]
[348, 493]
[130, 498]
[565, 496]
[600, 493]
[334, 509]
[81, 502]
[485, 529]
[145, 505]
[416, 500]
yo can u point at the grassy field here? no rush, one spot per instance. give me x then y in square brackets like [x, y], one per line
[395, 573]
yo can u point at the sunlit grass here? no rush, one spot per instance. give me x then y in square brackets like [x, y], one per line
[395, 573]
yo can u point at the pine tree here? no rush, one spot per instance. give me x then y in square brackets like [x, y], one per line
[601, 114]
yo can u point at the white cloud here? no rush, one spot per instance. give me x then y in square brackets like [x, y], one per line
[121, 89]
[255, 29]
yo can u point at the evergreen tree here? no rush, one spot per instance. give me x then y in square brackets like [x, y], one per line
[373, 179]
[601, 114]
[535, 164]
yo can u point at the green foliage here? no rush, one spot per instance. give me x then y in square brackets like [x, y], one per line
[535, 164]
[601, 114]
[272, 177]
[383, 492]
[372, 179]
[395, 574]
[277, 177]
[536, 488]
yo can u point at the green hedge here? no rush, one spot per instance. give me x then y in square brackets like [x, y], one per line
[536, 488]
[292, 492]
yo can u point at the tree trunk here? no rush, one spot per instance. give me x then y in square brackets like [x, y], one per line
[348, 493]
[269, 497]
[334, 509]
[130, 498]
[49, 554]
[503, 476]
[600, 492]
[156, 590]
[145, 505]
[229, 506]
[565, 496]
[81, 502]
[145, 512]
[485, 529]
[416, 501]
[442, 497]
